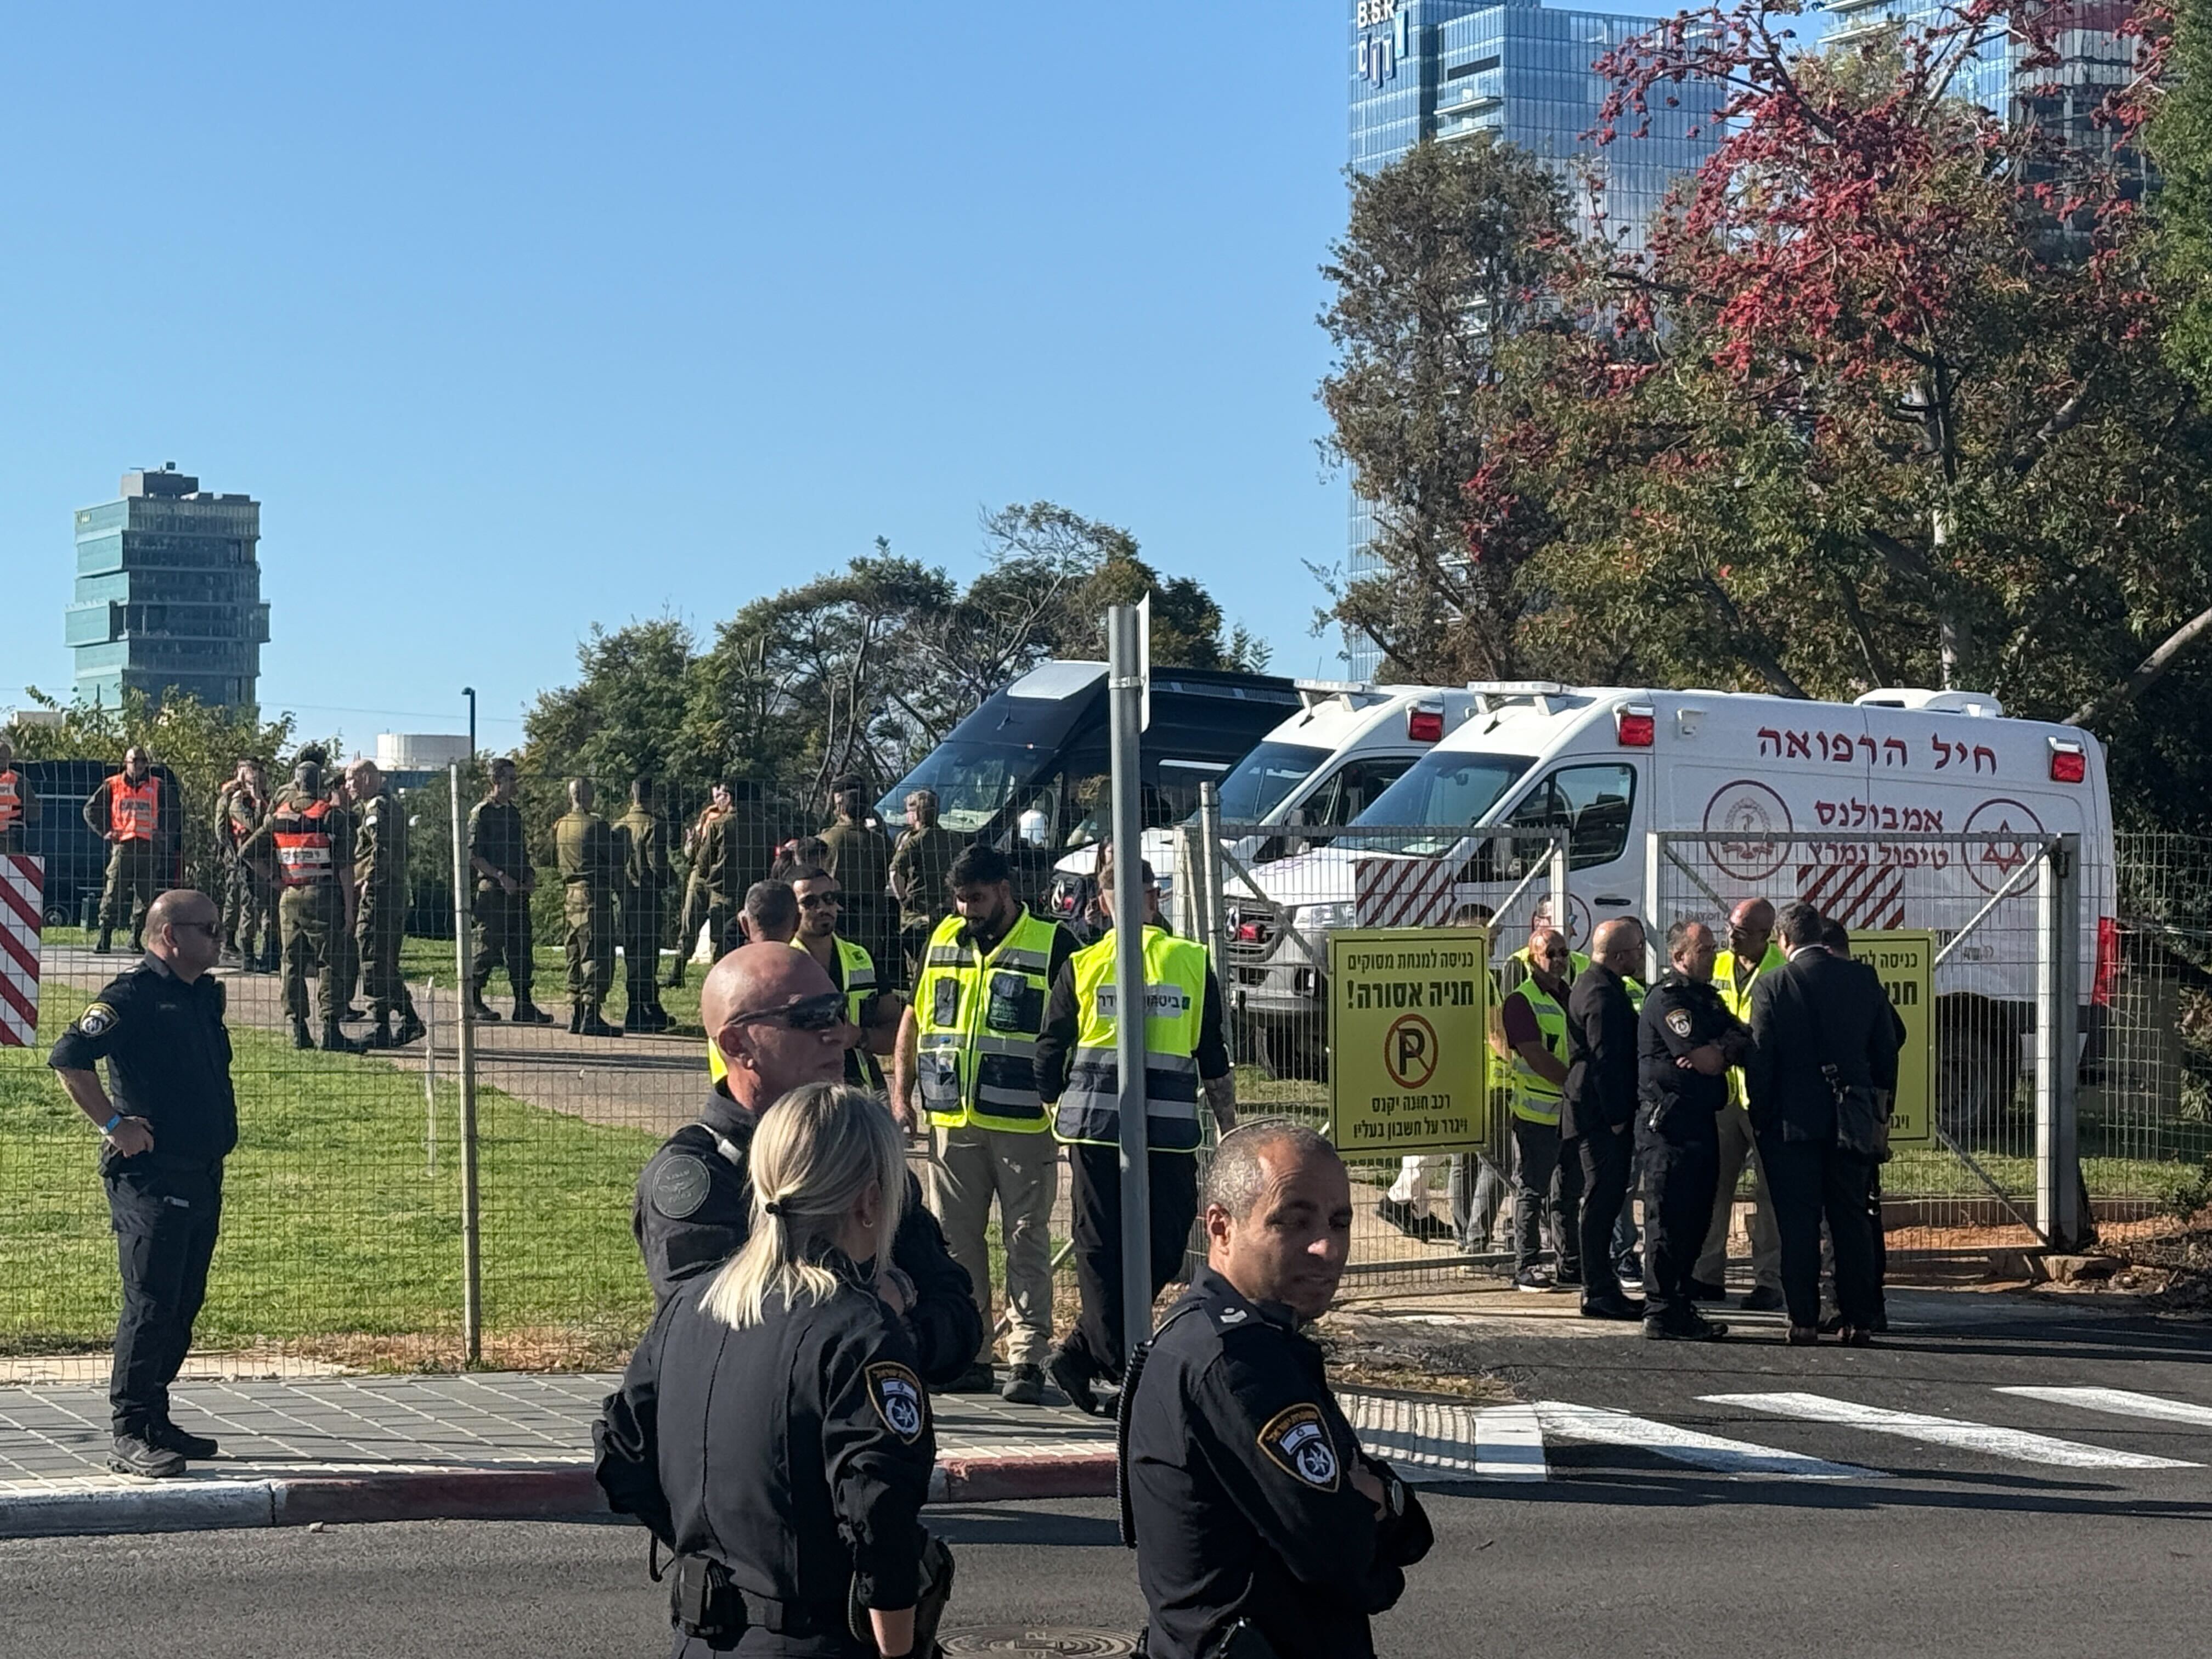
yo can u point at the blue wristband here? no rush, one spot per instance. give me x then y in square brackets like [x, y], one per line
[108, 1127]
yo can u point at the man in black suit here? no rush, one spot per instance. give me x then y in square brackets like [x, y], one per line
[1822, 1042]
[1599, 1110]
[1836, 940]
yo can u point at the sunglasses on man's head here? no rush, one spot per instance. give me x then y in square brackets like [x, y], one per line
[807, 1014]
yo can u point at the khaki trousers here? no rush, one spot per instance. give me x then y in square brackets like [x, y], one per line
[1736, 1145]
[968, 1169]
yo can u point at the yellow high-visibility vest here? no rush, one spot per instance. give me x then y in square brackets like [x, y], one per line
[1175, 1008]
[1739, 1003]
[978, 1017]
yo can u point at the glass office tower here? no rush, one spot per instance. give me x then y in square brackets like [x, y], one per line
[1450, 69]
[169, 593]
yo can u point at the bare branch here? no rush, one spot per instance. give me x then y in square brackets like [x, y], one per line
[2147, 672]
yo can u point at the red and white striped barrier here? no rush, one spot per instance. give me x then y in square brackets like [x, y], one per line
[22, 891]
[1401, 892]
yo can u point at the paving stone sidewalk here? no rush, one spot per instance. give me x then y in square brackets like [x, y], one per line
[380, 1448]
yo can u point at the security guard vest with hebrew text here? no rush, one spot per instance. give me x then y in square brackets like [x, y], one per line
[978, 1017]
[1174, 1004]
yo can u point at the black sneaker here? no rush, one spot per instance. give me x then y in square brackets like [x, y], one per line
[1024, 1386]
[136, 1454]
[1693, 1329]
[169, 1437]
[976, 1379]
[1614, 1306]
[1072, 1379]
[1762, 1298]
[1629, 1270]
[1532, 1279]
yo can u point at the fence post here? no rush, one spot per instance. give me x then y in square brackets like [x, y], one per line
[1124, 679]
[1654, 930]
[1208, 871]
[2057, 969]
[465, 1069]
[1562, 915]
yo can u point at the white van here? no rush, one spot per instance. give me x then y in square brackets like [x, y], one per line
[1318, 770]
[1610, 764]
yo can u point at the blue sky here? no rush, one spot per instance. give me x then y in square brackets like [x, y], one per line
[518, 320]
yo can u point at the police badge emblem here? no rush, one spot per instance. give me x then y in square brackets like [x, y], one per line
[898, 1399]
[1298, 1439]
[1678, 1021]
[95, 1019]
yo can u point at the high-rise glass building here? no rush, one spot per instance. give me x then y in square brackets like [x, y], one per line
[169, 593]
[1450, 69]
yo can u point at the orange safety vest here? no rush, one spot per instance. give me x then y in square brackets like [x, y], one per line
[130, 808]
[11, 799]
[303, 856]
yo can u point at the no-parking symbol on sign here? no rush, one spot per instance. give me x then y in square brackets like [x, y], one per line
[1408, 1054]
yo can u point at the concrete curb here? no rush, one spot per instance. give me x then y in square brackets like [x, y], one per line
[558, 1493]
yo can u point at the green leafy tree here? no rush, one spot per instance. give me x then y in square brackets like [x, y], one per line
[2180, 141]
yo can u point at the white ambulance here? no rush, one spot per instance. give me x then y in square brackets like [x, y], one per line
[1782, 778]
[1318, 770]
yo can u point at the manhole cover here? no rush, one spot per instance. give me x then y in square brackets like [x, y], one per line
[1029, 1638]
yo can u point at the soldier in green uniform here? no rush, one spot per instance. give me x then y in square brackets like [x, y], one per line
[345, 949]
[696, 883]
[304, 848]
[379, 874]
[859, 855]
[584, 851]
[641, 854]
[499, 854]
[136, 814]
[240, 809]
[919, 865]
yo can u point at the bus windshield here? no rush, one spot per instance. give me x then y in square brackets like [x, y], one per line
[1451, 791]
[1260, 781]
[974, 781]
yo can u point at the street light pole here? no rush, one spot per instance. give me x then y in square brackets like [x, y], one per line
[470, 692]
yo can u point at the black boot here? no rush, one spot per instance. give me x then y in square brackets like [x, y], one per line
[106, 947]
[527, 1012]
[481, 1011]
[411, 1030]
[591, 1025]
[301, 1037]
[575, 1018]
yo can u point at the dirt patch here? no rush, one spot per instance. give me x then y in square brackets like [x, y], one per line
[2165, 1268]
[1420, 1361]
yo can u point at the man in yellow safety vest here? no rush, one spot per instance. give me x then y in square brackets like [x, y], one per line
[968, 1047]
[852, 970]
[1078, 1069]
[1751, 953]
[1533, 1014]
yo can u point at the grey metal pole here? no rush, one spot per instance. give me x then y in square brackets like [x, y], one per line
[1123, 679]
[465, 1069]
[1208, 873]
[1563, 915]
[2057, 967]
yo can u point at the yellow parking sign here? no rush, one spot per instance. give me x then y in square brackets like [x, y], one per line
[1408, 1014]
[1906, 960]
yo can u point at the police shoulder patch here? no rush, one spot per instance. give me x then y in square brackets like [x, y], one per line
[97, 1020]
[680, 1185]
[1678, 1021]
[1297, 1438]
[897, 1395]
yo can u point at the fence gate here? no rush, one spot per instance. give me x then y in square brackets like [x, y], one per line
[1996, 1161]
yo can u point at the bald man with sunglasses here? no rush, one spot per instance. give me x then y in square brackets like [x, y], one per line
[778, 1024]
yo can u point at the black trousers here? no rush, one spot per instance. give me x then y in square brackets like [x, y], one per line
[1811, 1182]
[165, 1223]
[1540, 1199]
[1095, 1192]
[1608, 1163]
[1680, 1180]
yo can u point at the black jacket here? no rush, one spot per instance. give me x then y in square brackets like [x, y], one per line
[797, 1453]
[1819, 1010]
[1677, 1103]
[694, 1207]
[1601, 1092]
[168, 1061]
[1236, 1464]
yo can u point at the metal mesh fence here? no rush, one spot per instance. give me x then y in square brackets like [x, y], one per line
[342, 1235]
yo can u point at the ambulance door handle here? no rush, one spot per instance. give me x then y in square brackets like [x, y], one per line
[1613, 901]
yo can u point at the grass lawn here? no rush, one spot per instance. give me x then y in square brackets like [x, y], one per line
[338, 1225]
[432, 959]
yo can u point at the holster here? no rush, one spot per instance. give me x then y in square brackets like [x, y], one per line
[704, 1601]
[1239, 1639]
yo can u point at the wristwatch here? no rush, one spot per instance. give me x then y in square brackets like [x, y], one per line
[108, 1127]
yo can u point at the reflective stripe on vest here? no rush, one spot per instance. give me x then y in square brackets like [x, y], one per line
[977, 1018]
[1175, 1006]
[130, 808]
[303, 856]
[11, 799]
[1534, 1098]
[1739, 1003]
[859, 969]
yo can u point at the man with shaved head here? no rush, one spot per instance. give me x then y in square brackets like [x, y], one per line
[778, 1024]
[1249, 1501]
[168, 1119]
[1597, 1112]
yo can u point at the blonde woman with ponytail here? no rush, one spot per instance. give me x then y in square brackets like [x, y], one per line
[771, 1428]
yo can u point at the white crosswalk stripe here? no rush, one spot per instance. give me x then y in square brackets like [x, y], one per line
[1605, 1427]
[2120, 1402]
[1987, 1438]
[1509, 1444]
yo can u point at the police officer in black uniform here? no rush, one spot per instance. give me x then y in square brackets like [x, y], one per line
[780, 1025]
[771, 1429]
[168, 1118]
[1685, 1044]
[1262, 1530]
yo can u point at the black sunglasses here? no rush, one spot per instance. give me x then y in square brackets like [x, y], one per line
[817, 1014]
[816, 901]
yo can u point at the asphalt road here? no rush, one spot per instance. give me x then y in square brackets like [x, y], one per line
[1985, 1540]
